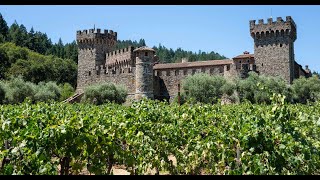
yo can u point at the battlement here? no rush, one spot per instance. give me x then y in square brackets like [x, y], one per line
[103, 70]
[121, 58]
[120, 51]
[273, 28]
[95, 35]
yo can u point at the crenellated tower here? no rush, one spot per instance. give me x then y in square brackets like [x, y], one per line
[92, 48]
[144, 72]
[274, 47]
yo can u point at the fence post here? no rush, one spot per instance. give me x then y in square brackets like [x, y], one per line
[179, 93]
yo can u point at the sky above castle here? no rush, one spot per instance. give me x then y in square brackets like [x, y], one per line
[220, 28]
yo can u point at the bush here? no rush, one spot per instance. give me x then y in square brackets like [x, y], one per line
[66, 91]
[306, 89]
[259, 89]
[106, 92]
[203, 87]
[17, 90]
[47, 92]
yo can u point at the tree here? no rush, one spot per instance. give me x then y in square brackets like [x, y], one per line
[18, 34]
[13, 35]
[306, 89]
[204, 88]
[142, 42]
[23, 36]
[36, 67]
[106, 92]
[71, 51]
[315, 73]
[4, 29]
[31, 40]
[4, 63]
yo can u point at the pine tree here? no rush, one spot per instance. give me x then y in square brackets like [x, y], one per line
[31, 40]
[4, 29]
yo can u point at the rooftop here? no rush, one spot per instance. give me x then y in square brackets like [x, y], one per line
[193, 64]
[243, 56]
[144, 48]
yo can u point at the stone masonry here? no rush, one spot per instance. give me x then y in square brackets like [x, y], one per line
[273, 47]
[144, 72]
[138, 71]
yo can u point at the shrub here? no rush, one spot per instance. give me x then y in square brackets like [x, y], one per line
[203, 87]
[259, 89]
[47, 92]
[306, 89]
[17, 90]
[66, 91]
[106, 92]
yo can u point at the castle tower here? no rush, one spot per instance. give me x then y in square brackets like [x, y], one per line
[273, 47]
[144, 72]
[92, 48]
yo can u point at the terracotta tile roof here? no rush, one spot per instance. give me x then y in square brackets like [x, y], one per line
[193, 64]
[242, 56]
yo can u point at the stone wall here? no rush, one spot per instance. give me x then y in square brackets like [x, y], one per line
[167, 80]
[273, 47]
[275, 60]
[144, 73]
[101, 76]
[121, 58]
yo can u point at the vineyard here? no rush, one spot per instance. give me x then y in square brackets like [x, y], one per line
[244, 138]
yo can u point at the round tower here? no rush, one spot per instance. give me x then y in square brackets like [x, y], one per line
[92, 48]
[144, 72]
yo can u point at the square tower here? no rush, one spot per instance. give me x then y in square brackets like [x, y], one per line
[274, 47]
[92, 48]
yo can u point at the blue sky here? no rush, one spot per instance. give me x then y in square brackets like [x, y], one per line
[220, 28]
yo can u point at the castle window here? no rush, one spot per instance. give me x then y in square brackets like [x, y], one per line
[280, 45]
[193, 71]
[184, 72]
[262, 64]
[239, 61]
[89, 73]
[176, 72]
[221, 69]
[202, 70]
[146, 54]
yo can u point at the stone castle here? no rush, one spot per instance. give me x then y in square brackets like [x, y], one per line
[138, 70]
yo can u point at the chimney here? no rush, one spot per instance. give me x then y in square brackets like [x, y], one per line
[184, 60]
[246, 52]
